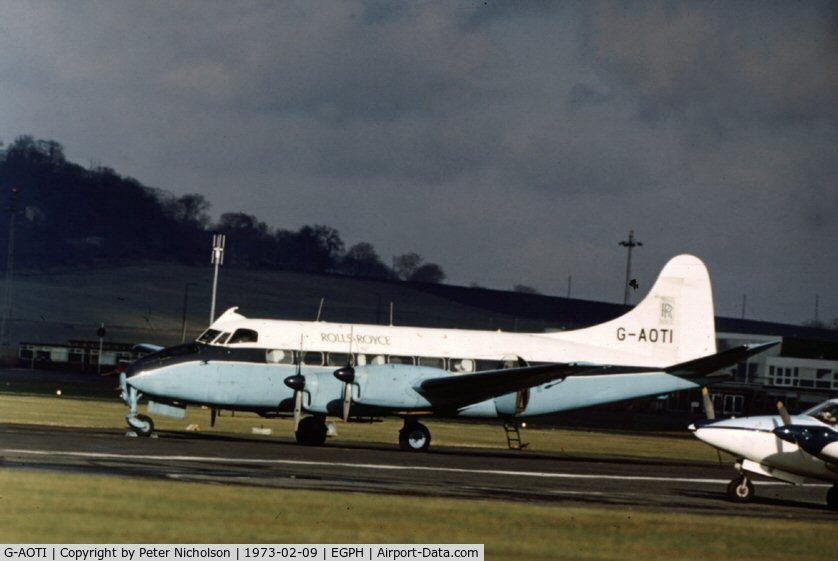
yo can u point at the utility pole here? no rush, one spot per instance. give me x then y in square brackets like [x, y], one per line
[218, 241]
[7, 303]
[630, 244]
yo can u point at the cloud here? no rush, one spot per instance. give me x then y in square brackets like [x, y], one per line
[513, 143]
[729, 64]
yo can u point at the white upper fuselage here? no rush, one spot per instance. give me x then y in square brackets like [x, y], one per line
[386, 341]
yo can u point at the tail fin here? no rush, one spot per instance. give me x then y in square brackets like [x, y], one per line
[675, 322]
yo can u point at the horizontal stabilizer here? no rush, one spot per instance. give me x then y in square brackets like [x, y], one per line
[705, 366]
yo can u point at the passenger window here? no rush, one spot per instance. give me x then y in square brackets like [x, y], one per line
[313, 358]
[276, 356]
[482, 365]
[394, 359]
[243, 336]
[462, 365]
[338, 359]
[432, 362]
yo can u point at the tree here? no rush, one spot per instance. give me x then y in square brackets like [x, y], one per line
[405, 265]
[191, 209]
[429, 272]
[362, 260]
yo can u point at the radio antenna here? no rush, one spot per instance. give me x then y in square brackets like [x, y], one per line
[320, 308]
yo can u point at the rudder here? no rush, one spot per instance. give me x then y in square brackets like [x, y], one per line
[674, 323]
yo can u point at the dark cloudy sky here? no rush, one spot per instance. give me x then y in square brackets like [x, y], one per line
[511, 142]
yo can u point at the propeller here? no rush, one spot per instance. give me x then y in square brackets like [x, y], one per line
[709, 410]
[297, 382]
[710, 413]
[347, 376]
[784, 414]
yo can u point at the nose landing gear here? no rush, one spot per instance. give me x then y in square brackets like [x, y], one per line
[142, 425]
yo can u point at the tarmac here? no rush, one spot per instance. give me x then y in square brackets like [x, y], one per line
[477, 474]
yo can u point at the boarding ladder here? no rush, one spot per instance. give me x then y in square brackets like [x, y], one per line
[513, 435]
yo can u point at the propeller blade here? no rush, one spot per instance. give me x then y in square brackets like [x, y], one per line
[784, 414]
[709, 410]
[298, 408]
[347, 376]
[347, 401]
[297, 382]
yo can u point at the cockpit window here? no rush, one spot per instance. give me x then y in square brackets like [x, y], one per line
[221, 339]
[208, 335]
[243, 336]
[826, 412]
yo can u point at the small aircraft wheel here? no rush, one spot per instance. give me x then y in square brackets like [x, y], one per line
[832, 497]
[311, 432]
[414, 437]
[143, 425]
[740, 490]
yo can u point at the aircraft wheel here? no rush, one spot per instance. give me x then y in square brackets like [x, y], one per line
[740, 490]
[312, 431]
[832, 497]
[142, 425]
[414, 437]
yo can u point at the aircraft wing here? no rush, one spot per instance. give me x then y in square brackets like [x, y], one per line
[705, 366]
[465, 389]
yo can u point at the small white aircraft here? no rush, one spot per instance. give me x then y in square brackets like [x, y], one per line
[361, 372]
[794, 449]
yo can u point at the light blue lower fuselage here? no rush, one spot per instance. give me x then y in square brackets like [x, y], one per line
[385, 388]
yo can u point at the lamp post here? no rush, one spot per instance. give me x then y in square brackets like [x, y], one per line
[218, 241]
[185, 302]
[630, 244]
[10, 254]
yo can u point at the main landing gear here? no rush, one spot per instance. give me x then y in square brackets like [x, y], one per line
[312, 431]
[414, 436]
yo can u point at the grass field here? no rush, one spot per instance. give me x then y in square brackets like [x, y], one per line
[62, 508]
[51, 507]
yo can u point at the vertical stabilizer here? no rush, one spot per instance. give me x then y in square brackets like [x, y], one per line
[674, 323]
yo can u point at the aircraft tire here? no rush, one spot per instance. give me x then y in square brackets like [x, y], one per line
[414, 437]
[311, 432]
[740, 490]
[832, 497]
[146, 426]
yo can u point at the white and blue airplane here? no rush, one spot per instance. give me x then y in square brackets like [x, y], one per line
[362, 372]
[794, 449]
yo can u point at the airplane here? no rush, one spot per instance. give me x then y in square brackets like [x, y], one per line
[365, 372]
[794, 449]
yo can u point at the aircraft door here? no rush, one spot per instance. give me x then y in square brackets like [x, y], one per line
[512, 404]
